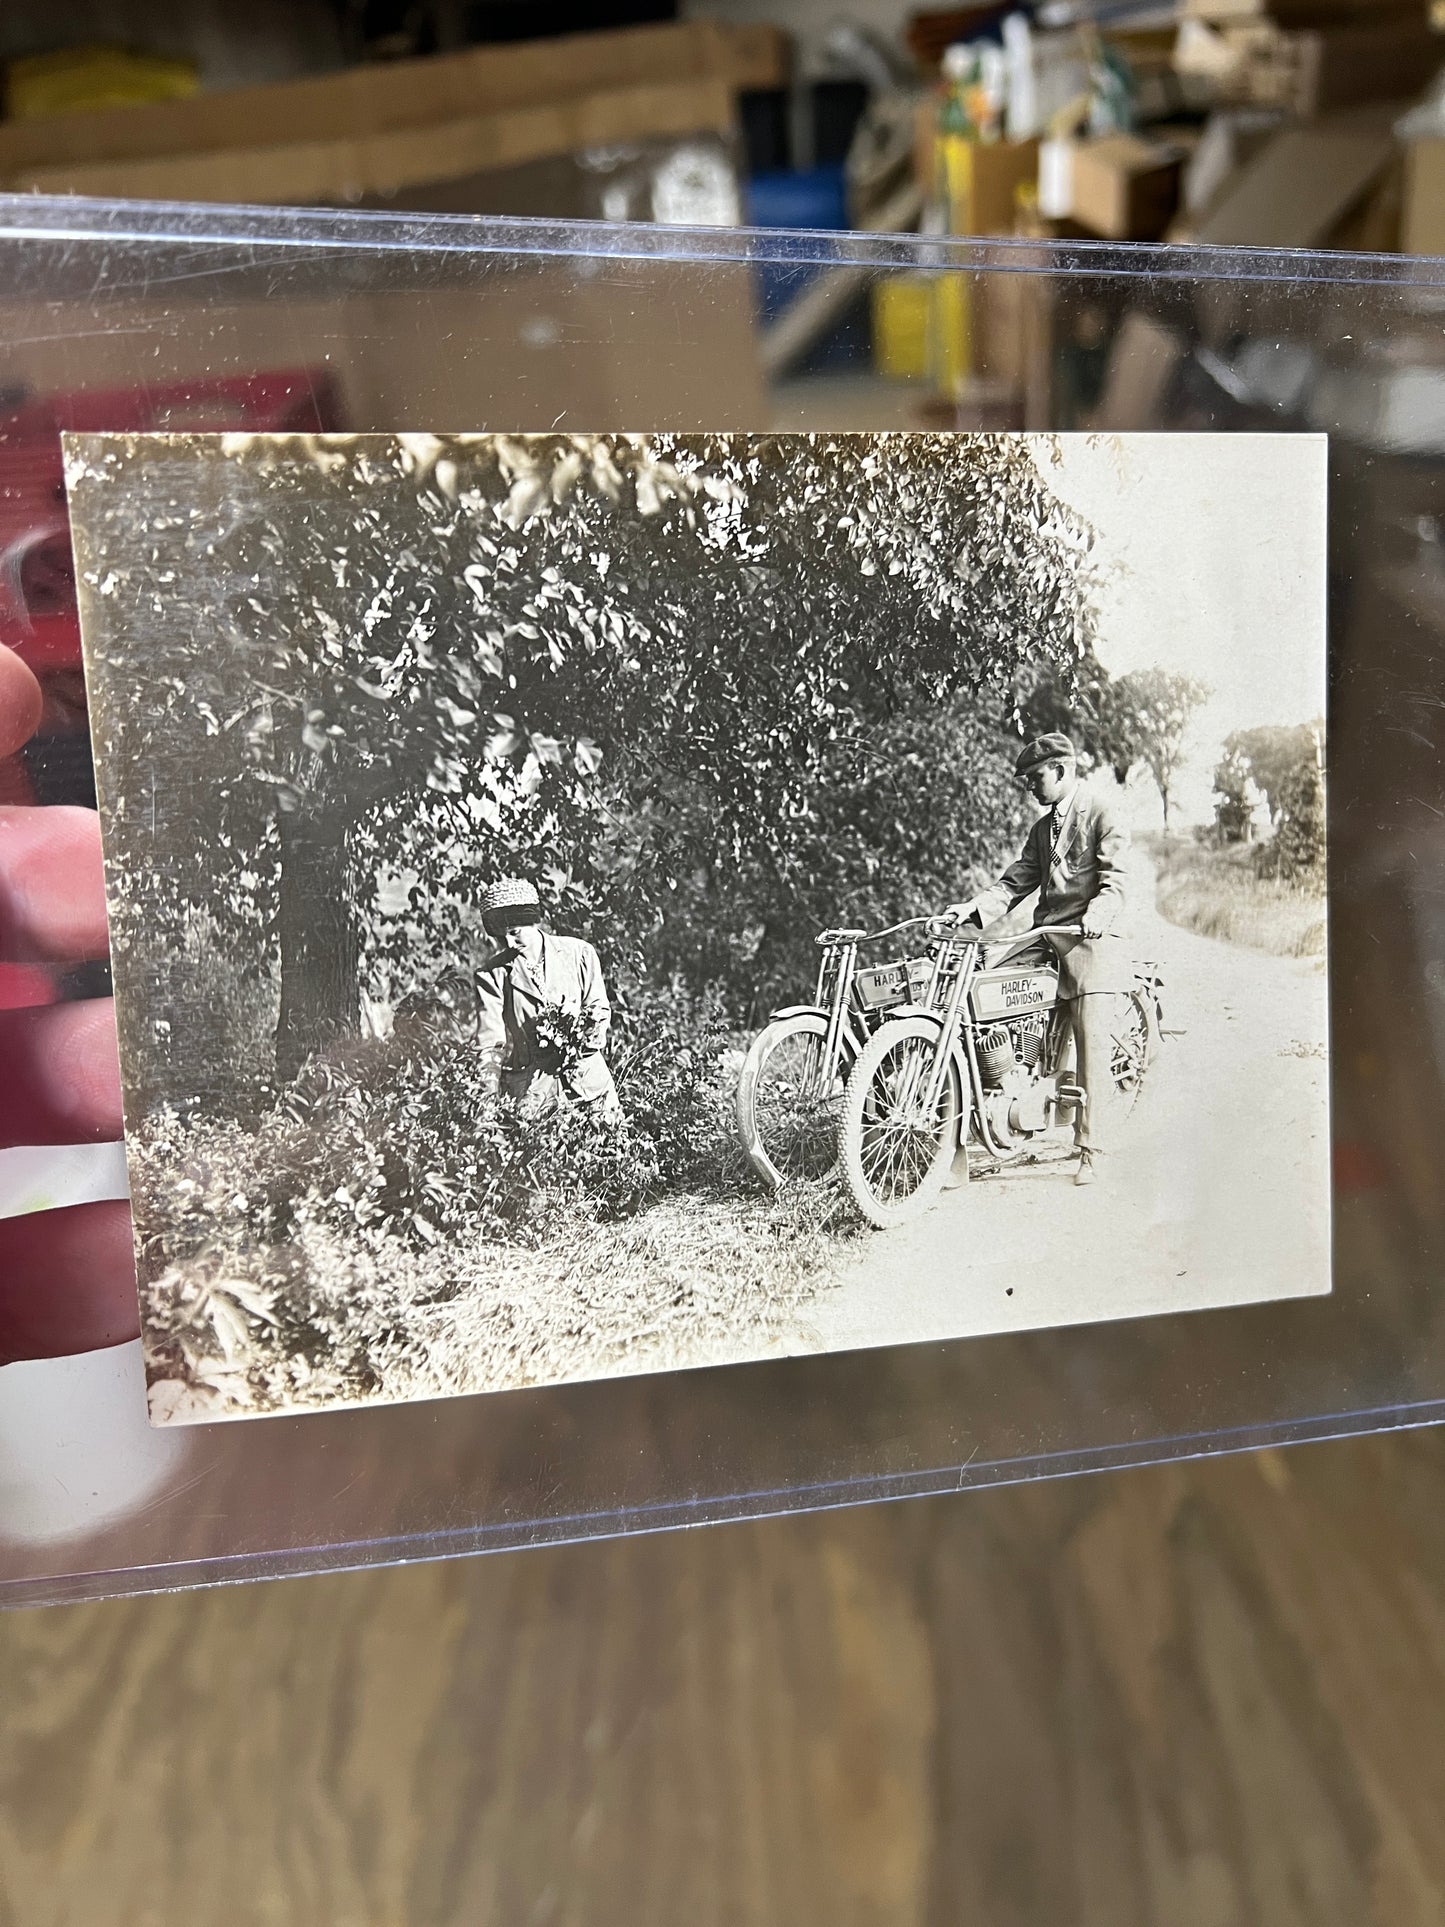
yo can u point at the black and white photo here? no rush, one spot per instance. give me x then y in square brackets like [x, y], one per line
[592, 904]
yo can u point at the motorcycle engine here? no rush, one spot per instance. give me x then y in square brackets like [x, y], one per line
[1014, 1094]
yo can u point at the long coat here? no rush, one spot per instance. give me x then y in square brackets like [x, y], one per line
[510, 996]
[1086, 872]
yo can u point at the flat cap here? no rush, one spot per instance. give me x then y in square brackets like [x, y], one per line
[1052, 748]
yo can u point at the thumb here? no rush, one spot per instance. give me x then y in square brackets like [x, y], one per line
[20, 702]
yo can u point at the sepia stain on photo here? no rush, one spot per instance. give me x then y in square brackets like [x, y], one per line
[599, 904]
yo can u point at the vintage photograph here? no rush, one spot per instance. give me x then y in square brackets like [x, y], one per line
[594, 904]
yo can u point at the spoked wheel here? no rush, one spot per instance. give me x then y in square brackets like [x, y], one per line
[1133, 1049]
[787, 1110]
[895, 1148]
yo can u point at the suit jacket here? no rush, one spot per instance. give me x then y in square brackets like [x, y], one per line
[1088, 868]
[511, 994]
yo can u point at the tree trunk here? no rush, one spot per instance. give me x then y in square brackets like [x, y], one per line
[316, 934]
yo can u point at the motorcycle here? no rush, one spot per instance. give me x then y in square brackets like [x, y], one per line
[981, 1058]
[790, 1088]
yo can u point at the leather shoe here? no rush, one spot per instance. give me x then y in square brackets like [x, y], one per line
[1086, 1172]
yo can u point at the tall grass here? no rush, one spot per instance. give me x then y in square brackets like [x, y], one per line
[1218, 892]
[390, 1230]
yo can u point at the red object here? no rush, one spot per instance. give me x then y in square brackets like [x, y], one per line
[37, 582]
[22, 986]
[38, 617]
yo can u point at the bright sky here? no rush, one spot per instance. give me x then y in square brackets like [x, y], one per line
[1215, 550]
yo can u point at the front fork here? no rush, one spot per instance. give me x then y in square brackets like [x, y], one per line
[842, 974]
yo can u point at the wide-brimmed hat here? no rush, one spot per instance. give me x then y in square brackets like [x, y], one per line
[511, 900]
[1052, 748]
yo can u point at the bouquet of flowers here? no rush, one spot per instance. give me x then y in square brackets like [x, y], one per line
[561, 1038]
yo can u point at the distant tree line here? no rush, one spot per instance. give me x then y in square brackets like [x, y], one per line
[1278, 772]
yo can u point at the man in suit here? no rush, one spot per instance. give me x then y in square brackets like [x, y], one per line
[1076, 857]
[543, 1004]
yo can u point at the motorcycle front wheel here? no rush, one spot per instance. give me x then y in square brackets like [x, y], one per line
[895, 1155]
[787, 1111]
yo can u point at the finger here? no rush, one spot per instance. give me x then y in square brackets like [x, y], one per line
[52, 891]
[67, 1281]
[20, 703]
[62, 1075]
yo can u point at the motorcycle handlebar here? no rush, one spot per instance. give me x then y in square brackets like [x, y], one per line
[943, 927]
[826, 937]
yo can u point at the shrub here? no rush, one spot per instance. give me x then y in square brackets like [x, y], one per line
[1222, 893]
[404, 1138]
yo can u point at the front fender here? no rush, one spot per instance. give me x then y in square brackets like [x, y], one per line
[916, 1010]
[853, 1035]
[935, 1017]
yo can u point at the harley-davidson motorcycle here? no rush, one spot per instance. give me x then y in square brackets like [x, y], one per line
[892, 1069]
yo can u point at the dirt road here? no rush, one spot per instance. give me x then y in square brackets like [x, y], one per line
[1218, 1194]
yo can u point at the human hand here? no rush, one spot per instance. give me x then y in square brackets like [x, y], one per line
[961, 912]
[67, 1277]
[1095, 924]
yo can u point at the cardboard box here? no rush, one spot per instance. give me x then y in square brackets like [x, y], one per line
[1124, 188]
[1298, 189]
[439, 100]
[1310, 71]
[469, 352]
[1348, 66]
[382, 165]
[981, 181]
[1422, 218]
[1143, 361]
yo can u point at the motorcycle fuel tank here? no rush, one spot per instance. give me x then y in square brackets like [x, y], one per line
[1001, 994]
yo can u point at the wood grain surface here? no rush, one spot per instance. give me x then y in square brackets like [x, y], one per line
[1207, 1696]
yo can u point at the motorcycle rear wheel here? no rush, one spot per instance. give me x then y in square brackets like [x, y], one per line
[1133, 1050]
[787, 1122]
[894, 1159]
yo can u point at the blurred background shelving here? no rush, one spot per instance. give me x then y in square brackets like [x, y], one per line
[1201, 1695]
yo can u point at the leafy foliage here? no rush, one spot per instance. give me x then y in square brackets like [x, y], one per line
[405, 1139]
[1280, 766]
[1083, 702]
[614, 662]
[1154, 707]
[1299, 838]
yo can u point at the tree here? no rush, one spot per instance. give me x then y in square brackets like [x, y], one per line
[1082, 701]
[1284, 766]
[618, 661]
[1272, 756]
[1156, 706]
[1236, 795]
[1299, 839]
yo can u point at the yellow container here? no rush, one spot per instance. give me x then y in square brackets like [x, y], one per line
[902, 325]
[86, 80]
[922, 329]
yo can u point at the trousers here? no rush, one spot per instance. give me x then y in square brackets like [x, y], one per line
[1093, 1000]
[1094, 1019]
